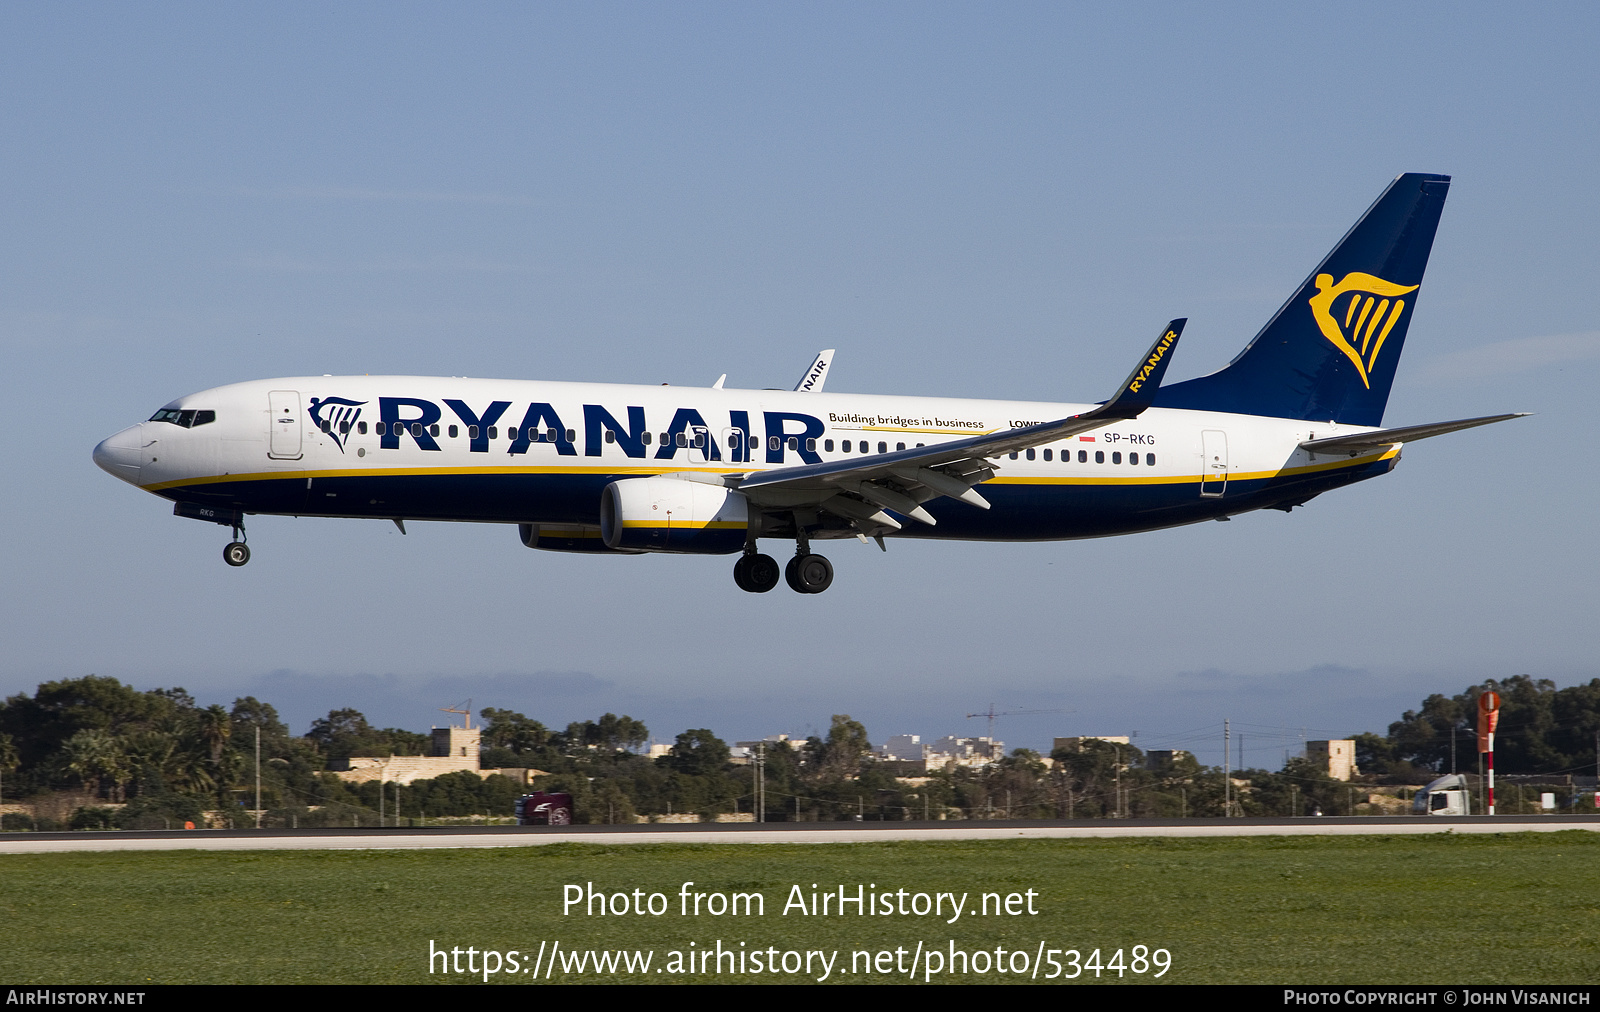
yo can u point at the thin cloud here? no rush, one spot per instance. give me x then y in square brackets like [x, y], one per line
[438, 265]
[1523, 354]
[363, 193]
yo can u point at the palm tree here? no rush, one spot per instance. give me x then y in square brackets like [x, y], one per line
[95, 757]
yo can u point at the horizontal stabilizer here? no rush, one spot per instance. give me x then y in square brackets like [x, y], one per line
[1388, 437]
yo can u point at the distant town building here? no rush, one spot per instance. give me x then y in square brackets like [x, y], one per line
[1165, 758]
[911, 756]
[453, 750]
[903, 748]
[457, 742]
[1336, 757]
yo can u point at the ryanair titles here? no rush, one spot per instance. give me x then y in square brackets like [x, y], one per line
[1154, 360]
[513, 429]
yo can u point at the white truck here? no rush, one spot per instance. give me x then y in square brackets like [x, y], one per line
[1448, 795]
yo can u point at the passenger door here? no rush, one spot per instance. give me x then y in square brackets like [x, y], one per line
[283, 435]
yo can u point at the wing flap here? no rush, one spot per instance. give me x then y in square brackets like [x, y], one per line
[863, 486]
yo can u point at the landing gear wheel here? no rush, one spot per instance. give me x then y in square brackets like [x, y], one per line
[756, 573]
[809, 574]
[236, 553]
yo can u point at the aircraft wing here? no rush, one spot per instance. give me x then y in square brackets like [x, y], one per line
[861, 489]
[1359, 441]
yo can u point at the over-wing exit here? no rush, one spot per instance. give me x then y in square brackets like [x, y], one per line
[618, 469]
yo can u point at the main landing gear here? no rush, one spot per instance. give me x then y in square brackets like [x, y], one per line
[755, 573]
[805, 573]
[809, 574]
[236, 552]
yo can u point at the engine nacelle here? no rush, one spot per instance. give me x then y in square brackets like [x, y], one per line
[673, 515]
[566, 538]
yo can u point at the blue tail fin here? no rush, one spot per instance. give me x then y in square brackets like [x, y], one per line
[1330, 353]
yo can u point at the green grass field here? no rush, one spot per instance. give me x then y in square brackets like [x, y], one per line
[1437, 909]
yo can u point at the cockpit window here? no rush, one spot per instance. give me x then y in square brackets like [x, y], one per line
[187, 418]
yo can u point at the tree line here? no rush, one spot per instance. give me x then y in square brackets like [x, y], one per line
[156, 758]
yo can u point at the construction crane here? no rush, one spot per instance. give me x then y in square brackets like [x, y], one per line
[992, 713]
[467, 713]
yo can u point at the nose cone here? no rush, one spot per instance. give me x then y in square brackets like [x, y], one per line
[119, 455]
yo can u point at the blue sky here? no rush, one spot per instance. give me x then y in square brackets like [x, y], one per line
[964, 201]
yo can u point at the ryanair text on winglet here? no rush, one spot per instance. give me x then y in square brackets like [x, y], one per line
[1153, 361]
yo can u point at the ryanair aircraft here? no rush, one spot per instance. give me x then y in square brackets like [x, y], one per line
[583, 467]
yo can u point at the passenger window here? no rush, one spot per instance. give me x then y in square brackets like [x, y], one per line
[454, 432]
[433, 430]
[794, 443]
[472, 432]
[611, 437]
[1047, 455]
[1116, 458]
[645, 439]
[733, 441]
[666, 438]
[494, 432]
[811, 446]
[1149, 460]
[899, 446]
[774, 443]
[845, 446]
[827, 445]
[572, 435]
[1099, 456]
[325, 425]
[344, 428]
[1013, 455]
[416, 429]
[700, 439]
[883, 447]
[1030, 453]
[682, 439]
[1083, 456]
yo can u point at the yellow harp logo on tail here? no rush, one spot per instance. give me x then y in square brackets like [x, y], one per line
[1359, 325]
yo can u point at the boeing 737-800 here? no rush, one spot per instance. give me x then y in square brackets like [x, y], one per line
[585, 467]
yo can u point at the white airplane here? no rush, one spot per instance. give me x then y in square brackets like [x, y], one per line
[603, 468]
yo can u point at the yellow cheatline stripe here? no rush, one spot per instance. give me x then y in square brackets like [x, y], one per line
[1189, 479]
[722, 525]
[937, 432]
[1096, 479]
[391, 472]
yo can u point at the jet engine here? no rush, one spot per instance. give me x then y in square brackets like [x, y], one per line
[566, 538]
[673, 515]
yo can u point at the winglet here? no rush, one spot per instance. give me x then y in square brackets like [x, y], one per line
[816, 373]
[1139, 389]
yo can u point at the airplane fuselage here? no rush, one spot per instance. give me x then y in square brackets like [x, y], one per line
[526, 452]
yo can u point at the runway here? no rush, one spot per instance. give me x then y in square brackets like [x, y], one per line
[445, 838]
